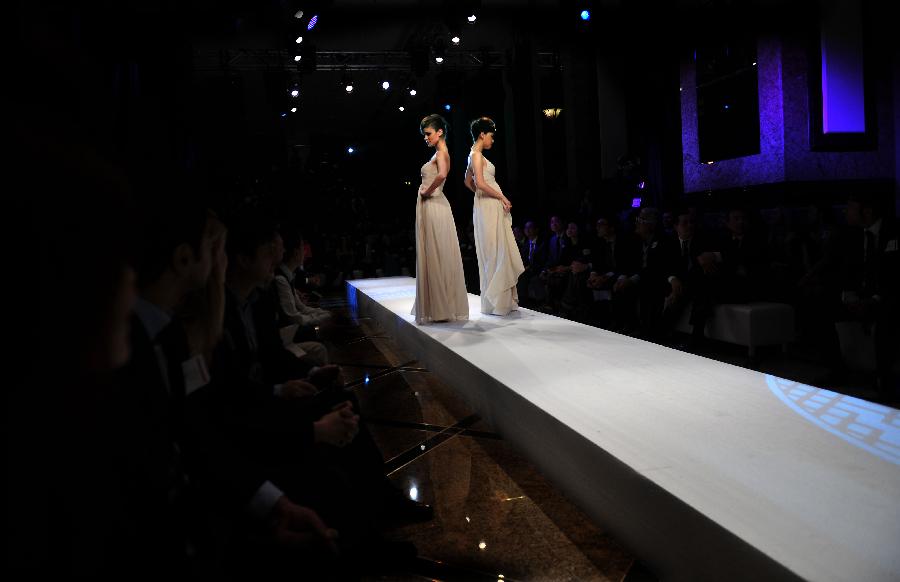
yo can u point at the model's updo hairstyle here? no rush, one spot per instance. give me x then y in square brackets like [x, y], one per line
[482, 125]
[435, 122]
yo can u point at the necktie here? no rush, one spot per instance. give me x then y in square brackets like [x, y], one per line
[530, 251]
[870, 245]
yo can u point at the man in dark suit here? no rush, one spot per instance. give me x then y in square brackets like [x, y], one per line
[869, 282]
[170, 453]
[638, 292]
[690, 273]
[743, 260]
[611, 257]
[535, 256]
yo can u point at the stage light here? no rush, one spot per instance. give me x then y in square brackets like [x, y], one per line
[283, 114]
[402, 108]
[312, 22]
[439, 60]
[299, 39]
[482, 545]
[754, 63]
[293, 110]
[385, 85]
[297, 58]
[295, 93]
[350, 151]
[298, 14]
[472, 18]
[412, 92]
[455, 40]
[585, 15]
[414, 493]
[447, 106]
[349, 88]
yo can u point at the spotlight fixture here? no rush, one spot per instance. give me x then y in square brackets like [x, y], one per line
[385, 85]
[447, 107]
[299, 39]
[472, 18]
[298, 14]
[349, 88]
[295, 92]
[312, 22]
[293, 110]
[412, 92]
[402, 108]
[297, 58]
[585, 15]
[350, 150]
[552, 112]
[455, 40]
[439, 60]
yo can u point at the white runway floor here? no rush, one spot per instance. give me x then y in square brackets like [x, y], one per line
[706, 470]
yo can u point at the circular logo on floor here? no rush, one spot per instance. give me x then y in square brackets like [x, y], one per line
[867, 425]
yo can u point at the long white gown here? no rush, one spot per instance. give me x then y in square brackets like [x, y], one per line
[499, 261]
[440, 282]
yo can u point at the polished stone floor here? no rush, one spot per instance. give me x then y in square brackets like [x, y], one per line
[496, 516]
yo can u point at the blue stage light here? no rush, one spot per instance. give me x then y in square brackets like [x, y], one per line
[585, 15]
[447, 107]
[312, 22]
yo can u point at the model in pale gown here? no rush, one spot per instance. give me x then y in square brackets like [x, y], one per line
[499, 260]
[440, 283]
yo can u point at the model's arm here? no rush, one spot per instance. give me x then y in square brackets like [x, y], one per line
[478, 172]
[470, 179]
[443, 164]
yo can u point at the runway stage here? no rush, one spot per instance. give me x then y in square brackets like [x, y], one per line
[706, 470]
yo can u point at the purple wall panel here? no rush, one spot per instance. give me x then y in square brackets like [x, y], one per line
[784, 131]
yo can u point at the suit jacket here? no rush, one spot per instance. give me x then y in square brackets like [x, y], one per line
[539, 258]
[247, 365]
[616, 258]
[557, 247]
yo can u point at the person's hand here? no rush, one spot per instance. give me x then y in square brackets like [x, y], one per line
[507, 205]
[299, 527]
[622, 284]
[707, 262]
[293, 389]
[338, 427]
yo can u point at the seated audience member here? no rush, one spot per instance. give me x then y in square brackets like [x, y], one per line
[534, 257]
[742, 260]
[278, 414]
[174, 462]
[290, 300]
[689, 269]
[870, 270]
[299, 333]
[638, 293]
[610, 258]
[66, 515]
